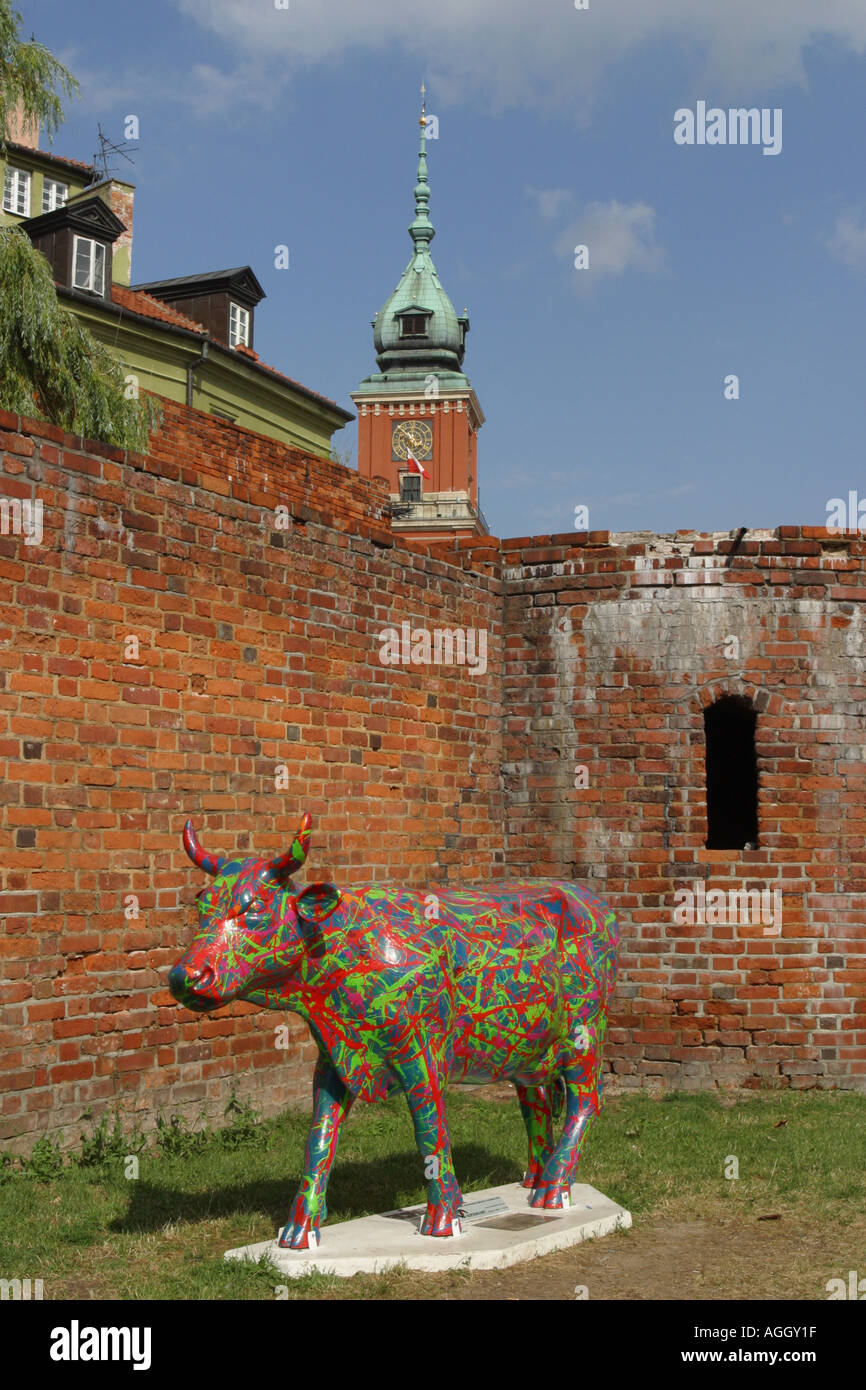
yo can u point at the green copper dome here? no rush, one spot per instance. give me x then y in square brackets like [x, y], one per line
[417, 331]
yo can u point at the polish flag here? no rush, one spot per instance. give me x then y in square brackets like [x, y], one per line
[415, 466]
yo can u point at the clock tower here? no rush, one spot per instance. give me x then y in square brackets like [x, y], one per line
[418, 416]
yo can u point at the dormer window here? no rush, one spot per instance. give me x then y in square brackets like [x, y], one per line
[89, 265]
[16, 191]
[76, 239]
[222, 301]
[54, 194]
[413, 326]
[239, 326]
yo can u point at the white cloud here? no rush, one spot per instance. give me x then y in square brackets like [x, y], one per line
[848, 242]
[619, 237]
[204, 89]
[540, 53]
[550, 200]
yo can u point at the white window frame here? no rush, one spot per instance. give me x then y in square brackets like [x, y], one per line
[54, 194]
[238, 336]
[94, 265]
[14, 181]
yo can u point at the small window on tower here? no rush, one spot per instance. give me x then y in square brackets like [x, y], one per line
[413, 326]
[410, 487]
[730, 726]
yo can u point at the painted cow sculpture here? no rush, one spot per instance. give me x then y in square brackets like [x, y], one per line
[408, 989]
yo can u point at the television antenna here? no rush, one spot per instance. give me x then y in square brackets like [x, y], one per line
[102, 159]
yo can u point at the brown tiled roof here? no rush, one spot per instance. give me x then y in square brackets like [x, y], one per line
[292, 382]
[149, 308]
[137, 302]
[46, 154]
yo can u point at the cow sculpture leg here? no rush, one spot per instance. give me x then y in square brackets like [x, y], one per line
[582, 1103]
[537, 1109]
[422, 1076]
[331, 1104]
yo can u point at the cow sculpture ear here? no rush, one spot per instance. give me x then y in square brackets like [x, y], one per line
[317, 901]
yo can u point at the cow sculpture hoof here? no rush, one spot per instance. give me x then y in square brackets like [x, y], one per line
[441, 1219]
[553, 1197]
[299, 1237]
[506, 981]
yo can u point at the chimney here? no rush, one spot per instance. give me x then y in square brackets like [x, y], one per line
[120, 200]
[21, 131]
[120, 197]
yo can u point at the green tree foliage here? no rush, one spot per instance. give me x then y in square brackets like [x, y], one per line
[29, 76]
[51, 367]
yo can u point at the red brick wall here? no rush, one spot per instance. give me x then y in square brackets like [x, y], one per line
[257, 649]
[614, 646]
[249, 466]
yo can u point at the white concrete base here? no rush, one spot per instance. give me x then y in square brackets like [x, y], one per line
[499, 1229]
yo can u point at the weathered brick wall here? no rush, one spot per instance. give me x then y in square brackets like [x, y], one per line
[614, 646]
[192, 444]
[257, 649]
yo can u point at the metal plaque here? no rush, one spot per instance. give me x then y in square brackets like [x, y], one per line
[517, 1221]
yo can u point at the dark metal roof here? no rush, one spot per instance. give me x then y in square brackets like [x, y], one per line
[241, 277]
[84, 214]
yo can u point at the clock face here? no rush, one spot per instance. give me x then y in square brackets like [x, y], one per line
[414, 435]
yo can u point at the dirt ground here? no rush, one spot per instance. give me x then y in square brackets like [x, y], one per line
[669, 1259]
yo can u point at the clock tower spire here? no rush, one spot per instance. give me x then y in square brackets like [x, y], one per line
[418, 416]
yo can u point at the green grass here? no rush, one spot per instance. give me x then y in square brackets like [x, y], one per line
[88, 1231]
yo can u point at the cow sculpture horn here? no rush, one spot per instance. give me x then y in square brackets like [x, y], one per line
[200, 857]
[293, 859]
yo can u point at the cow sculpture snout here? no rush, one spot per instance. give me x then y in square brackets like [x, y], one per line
[190, 987]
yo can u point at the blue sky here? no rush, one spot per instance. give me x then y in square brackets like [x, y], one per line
[602, 387]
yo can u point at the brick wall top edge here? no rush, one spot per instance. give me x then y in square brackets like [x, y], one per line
[461, 543]
[192, 429]
[622, 539]
[682, 543]
[263, 462]
[188, 428]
